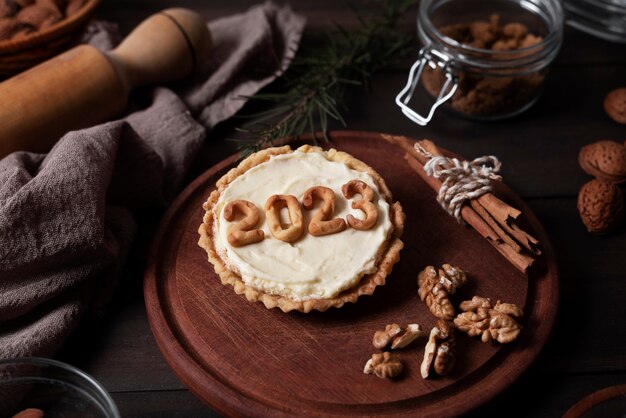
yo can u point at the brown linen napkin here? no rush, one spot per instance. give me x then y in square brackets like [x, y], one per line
[67, 218]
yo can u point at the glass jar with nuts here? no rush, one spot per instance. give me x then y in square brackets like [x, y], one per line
[485, 59]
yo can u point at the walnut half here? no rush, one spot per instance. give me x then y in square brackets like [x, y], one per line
[435, 286]
[440, 351]
[490, 322]
[398, 337]
[409, 334]
[385, 365]
[383, 338]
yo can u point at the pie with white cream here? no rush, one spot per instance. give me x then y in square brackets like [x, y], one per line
[302, 230]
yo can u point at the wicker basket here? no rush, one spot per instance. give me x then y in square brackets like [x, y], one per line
[27, 51]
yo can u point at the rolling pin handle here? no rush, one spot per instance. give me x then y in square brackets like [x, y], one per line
[165, 47]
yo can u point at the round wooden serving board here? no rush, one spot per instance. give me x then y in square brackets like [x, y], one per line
[243, 359]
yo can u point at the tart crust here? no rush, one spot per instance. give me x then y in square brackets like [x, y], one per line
[388, 253]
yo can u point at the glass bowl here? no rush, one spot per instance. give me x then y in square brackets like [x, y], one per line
[55, 388]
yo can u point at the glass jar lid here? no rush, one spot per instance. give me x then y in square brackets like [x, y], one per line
[605, 19]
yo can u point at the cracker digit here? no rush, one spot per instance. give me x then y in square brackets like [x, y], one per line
[273, 205]
[321, 224]
[365, 204]
[241, 233]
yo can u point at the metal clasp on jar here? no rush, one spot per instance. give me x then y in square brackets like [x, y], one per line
[434, 59]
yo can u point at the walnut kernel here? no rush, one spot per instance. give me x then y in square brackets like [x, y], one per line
[490, 322]
[429, 353]
[383, 338]
[435, 287]
[384, 365]
[445, 357]
[409, 334]
[509, 309]
[440, 351]
[398, 337]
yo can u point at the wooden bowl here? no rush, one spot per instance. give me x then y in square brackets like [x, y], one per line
[19, 54]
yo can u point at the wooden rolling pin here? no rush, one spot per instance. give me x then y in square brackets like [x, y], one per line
[85, 86]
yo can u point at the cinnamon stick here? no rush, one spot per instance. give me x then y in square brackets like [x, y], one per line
[506, 215]
[467, 213]
[483, 213]
[495, 208]
[477, 215]
[528, 241]
[520, 261]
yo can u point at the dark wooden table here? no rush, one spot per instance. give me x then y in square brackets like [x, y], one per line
[538, 149]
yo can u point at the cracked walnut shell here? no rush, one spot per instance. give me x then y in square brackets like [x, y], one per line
[490, 322]
[384, 365]
[601, 206]
[436, 285]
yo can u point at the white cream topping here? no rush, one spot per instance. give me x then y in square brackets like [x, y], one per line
[312, 267]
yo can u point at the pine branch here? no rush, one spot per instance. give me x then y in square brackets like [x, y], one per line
[319, 78]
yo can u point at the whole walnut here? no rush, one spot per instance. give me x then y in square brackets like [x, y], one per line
[8, 8]
[605, 160]
[30, 413]
[615, 105]
[8, 27]
[23, 3]
[22, 30]
[53, 4]
[39, 15]
[73, 6]
[601, 206]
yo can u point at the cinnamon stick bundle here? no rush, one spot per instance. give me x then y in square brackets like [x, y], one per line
[489, 216]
